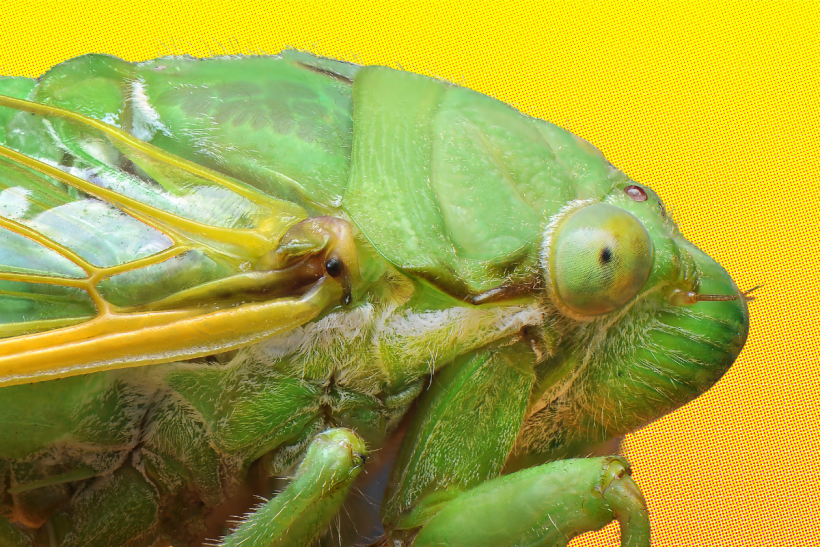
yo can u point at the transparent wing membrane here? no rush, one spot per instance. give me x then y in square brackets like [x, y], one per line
[100, 231]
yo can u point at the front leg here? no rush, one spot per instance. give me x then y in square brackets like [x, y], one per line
[462, 432]
[298, 515]
[544, 506]
[445, 487]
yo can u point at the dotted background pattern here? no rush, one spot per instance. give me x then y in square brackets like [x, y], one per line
[713, 104]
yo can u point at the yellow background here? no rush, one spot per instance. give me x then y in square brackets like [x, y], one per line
[713, 104]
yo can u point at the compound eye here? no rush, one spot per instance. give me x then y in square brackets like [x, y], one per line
[601, 256]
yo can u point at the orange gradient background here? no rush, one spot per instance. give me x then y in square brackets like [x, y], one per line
[713, 104]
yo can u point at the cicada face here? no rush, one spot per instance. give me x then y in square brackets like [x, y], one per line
[647, 321]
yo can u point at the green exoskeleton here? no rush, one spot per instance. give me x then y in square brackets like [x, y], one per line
[214, 272]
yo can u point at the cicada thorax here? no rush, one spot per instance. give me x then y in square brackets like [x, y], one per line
[455, 188]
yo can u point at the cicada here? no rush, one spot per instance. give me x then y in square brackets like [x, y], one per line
[218, 272]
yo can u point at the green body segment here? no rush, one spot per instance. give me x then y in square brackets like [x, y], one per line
[279, 124]
[466, 291]
[191, 430]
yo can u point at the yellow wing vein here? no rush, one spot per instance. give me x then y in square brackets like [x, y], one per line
[243, 242]
[115, 340]
[155, 258]
[45, 280]
[40, 297]
[47, 242]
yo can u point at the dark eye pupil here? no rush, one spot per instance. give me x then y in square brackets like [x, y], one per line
[606, 255]
[334, 267]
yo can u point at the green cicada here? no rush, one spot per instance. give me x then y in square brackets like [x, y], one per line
[215, 272]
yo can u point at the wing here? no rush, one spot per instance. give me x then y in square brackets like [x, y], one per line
[280, 124]
[115, 253]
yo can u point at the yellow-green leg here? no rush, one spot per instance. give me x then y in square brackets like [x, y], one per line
[545, 506]
[446, 488]
[297, 516]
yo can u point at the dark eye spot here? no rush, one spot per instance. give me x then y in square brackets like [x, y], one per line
[606, 256]
[635, 192]
[334, 267]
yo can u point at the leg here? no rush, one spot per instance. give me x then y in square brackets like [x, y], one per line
[545, 506]
[297, 516]
[445, 487]
[464, 428]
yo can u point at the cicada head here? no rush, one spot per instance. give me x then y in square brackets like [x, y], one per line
[646, 320]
